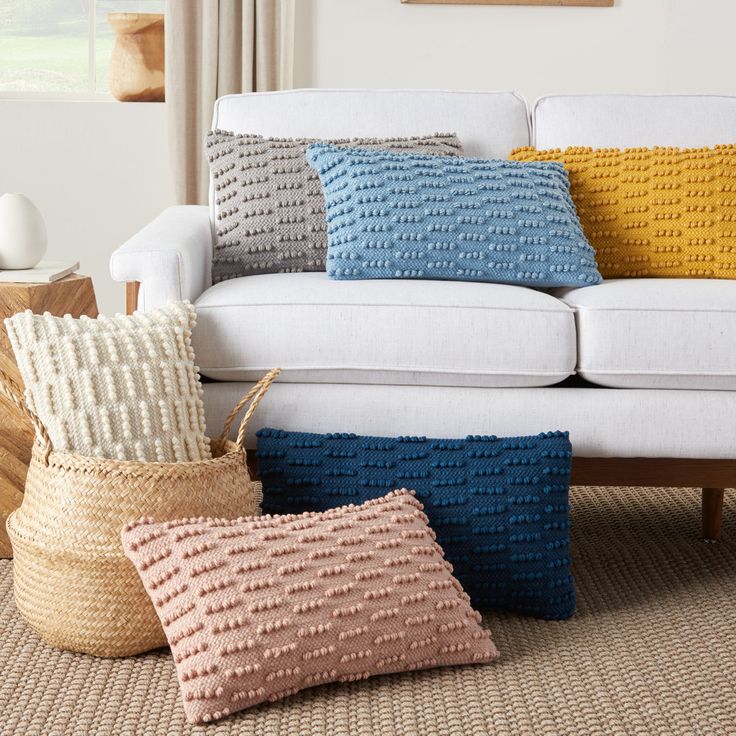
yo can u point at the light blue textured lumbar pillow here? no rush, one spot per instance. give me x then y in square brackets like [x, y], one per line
[392, 215]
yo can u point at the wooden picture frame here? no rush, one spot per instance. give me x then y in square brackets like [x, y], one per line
[569, 3]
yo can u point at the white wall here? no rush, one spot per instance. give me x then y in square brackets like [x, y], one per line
[635, 46]
[97, 170]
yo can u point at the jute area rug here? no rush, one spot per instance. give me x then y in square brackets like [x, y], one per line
[652, 650]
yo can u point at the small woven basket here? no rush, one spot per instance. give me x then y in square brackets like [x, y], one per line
[73, 584]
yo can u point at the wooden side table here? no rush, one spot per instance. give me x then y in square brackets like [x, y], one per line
[71, 295]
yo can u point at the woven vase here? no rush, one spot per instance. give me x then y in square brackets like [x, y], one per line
[72, 582]
[137, 61]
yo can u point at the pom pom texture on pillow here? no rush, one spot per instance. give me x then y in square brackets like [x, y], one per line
[269, 208]
[499, 505]
[465, 219]
[659, 212]
[257, 609]
[124, 388]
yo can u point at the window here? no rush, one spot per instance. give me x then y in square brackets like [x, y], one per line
[60, 48]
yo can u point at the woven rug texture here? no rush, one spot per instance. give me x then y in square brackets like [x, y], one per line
[651, 650]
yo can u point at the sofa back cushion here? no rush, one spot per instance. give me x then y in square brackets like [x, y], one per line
[627, 121]
[488, 124]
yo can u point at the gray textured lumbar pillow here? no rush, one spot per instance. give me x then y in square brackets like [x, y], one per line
[269, 206]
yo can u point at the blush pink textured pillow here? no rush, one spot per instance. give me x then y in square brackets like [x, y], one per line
[258, 608]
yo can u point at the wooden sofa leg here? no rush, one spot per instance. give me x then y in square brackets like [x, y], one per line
[712, 513]
[131, 296]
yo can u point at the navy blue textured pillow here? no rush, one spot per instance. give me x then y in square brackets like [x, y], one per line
[499, 505]
[398, 215]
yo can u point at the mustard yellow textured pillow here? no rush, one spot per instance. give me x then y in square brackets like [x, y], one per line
[654, 212]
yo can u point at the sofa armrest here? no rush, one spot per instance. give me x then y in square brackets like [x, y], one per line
[171, 257]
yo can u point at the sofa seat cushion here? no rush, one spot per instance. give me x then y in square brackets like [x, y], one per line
[441, 333]
[656, 333]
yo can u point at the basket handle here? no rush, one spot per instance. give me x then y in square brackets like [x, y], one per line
[12, 392]
[256, 394]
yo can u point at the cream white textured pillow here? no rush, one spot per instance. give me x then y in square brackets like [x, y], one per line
[122, 387]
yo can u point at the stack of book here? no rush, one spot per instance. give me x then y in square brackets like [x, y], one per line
[43, 273]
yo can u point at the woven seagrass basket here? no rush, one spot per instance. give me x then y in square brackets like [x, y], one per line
[73, 584]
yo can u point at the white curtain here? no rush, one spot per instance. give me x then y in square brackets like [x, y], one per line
[214, 48]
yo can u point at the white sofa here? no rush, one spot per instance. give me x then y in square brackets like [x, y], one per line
[641, 372]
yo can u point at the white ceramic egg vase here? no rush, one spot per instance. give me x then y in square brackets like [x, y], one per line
[23, 238]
